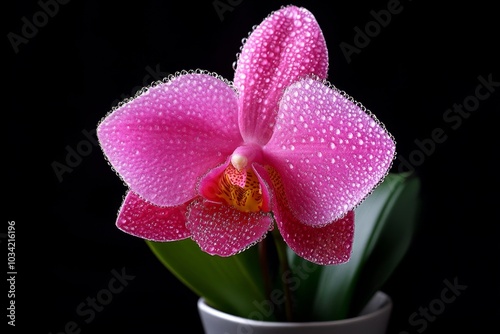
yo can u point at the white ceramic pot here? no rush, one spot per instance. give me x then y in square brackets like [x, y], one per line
[373, 319]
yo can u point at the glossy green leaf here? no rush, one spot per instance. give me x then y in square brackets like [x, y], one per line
[231, 284]
[384, 226]
[387, 251]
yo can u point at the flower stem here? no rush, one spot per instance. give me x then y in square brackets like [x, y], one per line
[264, 266]
[285, 268]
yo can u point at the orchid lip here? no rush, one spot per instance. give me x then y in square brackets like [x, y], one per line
[235, 183]
[241, 190]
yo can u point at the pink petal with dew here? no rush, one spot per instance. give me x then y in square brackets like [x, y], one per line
[161, 142]
[287, 45]
[329, 151]
[224, 231]
[329, 244]
[324, 245]
[145, 220]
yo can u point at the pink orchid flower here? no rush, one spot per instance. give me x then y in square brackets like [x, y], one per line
[223, 162]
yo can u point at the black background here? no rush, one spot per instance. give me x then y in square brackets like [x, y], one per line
[89, 54]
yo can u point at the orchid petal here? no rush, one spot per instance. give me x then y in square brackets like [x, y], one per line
[286, 46]
[161, 142]
[330, 152]
[145, 220]
[224, 231]
[324, 245]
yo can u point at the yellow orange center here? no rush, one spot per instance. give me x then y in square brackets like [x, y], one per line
[240, 189]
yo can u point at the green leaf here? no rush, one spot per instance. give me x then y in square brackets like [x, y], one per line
[384, 225]
[391, 245]
[231, 284]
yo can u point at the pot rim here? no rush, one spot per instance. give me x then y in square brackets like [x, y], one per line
[386, 306]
